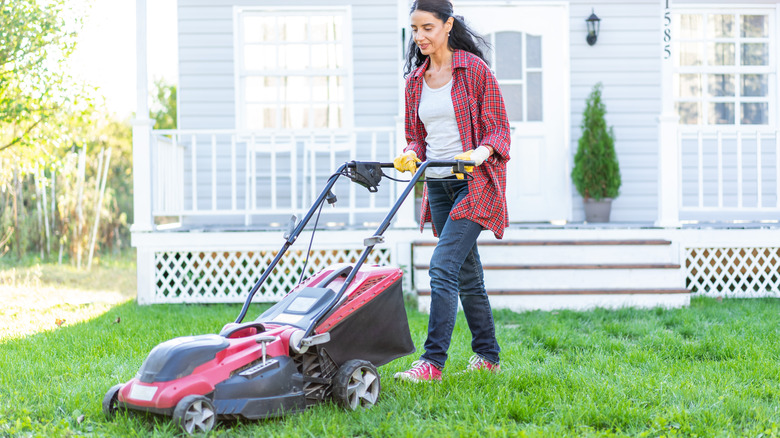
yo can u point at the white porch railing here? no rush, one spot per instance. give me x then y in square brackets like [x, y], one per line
[264, 173]
[729, 174]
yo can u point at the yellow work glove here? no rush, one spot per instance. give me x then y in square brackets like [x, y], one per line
[406, 162]
[478, 156]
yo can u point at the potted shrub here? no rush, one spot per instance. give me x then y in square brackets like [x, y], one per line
[596, 173]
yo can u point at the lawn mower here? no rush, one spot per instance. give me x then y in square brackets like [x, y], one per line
[323, 341]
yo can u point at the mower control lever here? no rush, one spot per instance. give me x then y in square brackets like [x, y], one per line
[373, 240]
[315, 340]
[291, 227]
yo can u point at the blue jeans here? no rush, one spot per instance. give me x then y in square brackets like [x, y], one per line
[456, 271]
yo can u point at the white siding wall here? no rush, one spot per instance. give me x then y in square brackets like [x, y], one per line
[206, 88]
[626, 59]
[206, 76]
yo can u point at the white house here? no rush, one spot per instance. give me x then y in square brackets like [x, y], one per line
[275, 94]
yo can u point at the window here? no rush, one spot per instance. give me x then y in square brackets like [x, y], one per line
[516, 59]
[292, 69]
[723, 64]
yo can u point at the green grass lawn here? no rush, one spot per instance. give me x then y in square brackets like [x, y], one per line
[707, 370]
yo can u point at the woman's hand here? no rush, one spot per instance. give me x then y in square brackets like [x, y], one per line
[406, 162]
[478, 156]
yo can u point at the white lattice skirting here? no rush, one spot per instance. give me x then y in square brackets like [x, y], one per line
[221, 277]
[733, 271]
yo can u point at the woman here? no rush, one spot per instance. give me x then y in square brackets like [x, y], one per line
[454, 110]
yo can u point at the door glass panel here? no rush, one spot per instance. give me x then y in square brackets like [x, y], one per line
[509, 55]
[517, 63]
[513, 99]
[534, 51]
[534, 97]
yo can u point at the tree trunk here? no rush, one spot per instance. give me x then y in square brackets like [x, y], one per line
[17, 190]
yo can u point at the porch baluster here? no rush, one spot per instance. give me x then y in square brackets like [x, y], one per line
[700, 157]
[273, 172]
[758, 168]
[720, 169]
[777, 169]
[194, 141]
[739, 169]
[233, 200]
[213, 172]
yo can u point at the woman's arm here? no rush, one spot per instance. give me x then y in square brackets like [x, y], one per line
[410, 121]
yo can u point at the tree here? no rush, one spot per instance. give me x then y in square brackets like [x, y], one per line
[48, 121]
[36, 93]
[596, 173]
[163, 108]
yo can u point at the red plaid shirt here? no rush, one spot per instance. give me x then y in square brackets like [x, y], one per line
[482, 120]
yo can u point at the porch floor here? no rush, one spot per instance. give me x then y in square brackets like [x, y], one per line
[217, 228]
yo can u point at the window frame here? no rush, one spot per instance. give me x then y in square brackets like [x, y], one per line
[738, 70]
[346, 72]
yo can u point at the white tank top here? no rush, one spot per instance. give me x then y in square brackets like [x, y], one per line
[438, 115]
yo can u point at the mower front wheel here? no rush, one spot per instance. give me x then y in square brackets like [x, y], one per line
[356, 385]
[195, 413]
[111, 401]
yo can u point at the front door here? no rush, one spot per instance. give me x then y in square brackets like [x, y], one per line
[530, 59]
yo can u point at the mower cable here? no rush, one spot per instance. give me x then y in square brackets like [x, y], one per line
[316, 221]
[308, 251]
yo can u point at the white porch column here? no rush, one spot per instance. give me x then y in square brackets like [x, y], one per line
[668, 156]
[405, 216]
[142, 176]
[142, 182]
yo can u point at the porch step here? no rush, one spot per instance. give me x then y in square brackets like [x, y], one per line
[571, 273]
[562, 252]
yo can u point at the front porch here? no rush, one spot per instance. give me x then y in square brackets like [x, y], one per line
[576, 266]
[219, 200]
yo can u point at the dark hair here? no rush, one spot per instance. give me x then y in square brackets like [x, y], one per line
[462, 37]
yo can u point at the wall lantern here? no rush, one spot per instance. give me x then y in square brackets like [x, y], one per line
[593, 28]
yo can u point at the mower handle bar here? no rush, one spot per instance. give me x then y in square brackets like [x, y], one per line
[457, 165]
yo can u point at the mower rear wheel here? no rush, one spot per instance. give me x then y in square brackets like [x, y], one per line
[111, 401]
[195, 413]
[356, 385]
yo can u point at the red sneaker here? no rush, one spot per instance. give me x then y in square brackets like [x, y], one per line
[421, 371]
[477, 363]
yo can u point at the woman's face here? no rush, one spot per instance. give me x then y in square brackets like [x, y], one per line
[429, 32]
